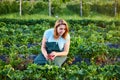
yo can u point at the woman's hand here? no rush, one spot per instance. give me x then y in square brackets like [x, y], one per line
[52, 55]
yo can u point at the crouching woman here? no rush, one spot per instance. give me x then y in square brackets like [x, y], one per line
[55, 44]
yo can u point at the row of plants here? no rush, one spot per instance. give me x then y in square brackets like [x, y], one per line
[72, 22]
[73, 72]
[87, 39]
[18, 42]
[24, 34]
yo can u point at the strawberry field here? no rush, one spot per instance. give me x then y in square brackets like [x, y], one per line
[94, 51]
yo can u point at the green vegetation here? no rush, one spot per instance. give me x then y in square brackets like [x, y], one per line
[95, 40]
[67, 17]
[87, 41]
[68, 10]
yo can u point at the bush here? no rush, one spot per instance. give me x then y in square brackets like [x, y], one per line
[86, 9]
[14, 6]
[5, 7]
[76, 8]
[56, 8]
[39, 6]
[26, 8]
[106, 8]
[8, 7]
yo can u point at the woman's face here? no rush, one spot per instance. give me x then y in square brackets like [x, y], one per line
[61, 30]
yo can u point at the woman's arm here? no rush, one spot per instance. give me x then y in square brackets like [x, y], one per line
[43, 49]
[64, 52]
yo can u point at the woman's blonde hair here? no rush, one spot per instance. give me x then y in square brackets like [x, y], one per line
[57, 24]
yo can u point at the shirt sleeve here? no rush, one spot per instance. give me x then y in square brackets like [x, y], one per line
[46, 34]
[68, 37]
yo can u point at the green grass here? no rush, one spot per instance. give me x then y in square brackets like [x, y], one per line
[93, 16]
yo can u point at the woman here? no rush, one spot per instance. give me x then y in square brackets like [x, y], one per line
[55, 44]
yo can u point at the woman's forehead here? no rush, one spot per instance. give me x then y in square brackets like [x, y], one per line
[62, 26]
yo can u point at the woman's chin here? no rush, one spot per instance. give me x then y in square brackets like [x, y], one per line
[60, 34]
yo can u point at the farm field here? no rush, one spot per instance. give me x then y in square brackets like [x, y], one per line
[94, 50]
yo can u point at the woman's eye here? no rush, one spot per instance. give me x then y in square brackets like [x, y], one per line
[62, 29]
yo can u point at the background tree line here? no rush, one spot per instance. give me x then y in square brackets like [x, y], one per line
[57, 7]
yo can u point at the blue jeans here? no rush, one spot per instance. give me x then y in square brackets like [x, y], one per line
[50, 46]
[58, 61]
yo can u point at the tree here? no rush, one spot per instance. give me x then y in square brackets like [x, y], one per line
[49, 7]
[20, 7]
[80, 7]
[115, 10]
